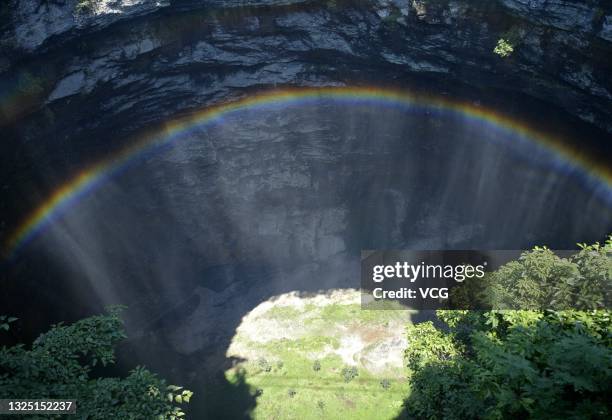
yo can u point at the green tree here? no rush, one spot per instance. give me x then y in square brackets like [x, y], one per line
[521, 363]
[542, 280]
[59, 363]
[349, 373]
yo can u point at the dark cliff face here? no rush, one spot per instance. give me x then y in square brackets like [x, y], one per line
[192, 239]
[127, 60]
[71, 74]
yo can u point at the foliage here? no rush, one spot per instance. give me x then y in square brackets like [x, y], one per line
[438, 345]
[520, 363]
[541, 280]
[503, 48]
[86, 6]
[59, 365]
[349, 373]
[509, 40]
[5, 322]
[264, 365]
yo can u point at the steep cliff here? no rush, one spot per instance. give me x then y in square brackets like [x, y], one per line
[127, 59]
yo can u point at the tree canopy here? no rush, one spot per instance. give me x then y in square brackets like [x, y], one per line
[535, 363]
[59, 363]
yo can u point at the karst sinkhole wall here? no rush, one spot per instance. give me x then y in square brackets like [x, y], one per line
[283, 197]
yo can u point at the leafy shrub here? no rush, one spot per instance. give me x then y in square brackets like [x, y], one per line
[5, 322]
[349, 373]
[510, 40]
[86, 6]
[541, 280]
[58, 366]
[263, 364]
[321, 405]
[515, 363]
[316, 366]
[520, 363]
[503, 48]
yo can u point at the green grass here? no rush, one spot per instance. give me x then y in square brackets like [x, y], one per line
[313, 343]
[320, 393]
[354, 313]
[283, 313]
[288, 387]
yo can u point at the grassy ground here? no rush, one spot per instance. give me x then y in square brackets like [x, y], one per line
[296, 350]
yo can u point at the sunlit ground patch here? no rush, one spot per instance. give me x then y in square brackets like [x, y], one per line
[301, 355]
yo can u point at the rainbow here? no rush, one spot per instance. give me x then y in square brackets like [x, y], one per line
[598, 175]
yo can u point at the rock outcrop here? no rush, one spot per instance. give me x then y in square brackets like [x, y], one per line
[135, 58]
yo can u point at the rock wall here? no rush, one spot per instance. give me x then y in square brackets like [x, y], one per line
[130, 57]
